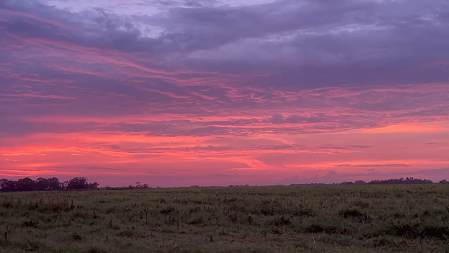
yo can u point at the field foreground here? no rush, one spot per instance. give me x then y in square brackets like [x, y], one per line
[343, 218]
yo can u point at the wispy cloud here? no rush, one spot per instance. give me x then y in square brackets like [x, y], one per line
[271, 89]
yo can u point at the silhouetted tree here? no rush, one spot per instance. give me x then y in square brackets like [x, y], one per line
[93, 185]
[45, 184]
[77, 183]
[53, 184]
[8, 185]
[25, 184]
[40, 184]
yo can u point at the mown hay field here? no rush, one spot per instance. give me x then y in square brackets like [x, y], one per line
[337, 218]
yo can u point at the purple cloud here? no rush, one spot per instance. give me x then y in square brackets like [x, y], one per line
[270, 84]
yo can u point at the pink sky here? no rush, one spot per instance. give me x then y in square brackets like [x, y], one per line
[258, 92]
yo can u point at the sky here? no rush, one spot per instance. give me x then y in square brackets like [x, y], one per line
[224, 92]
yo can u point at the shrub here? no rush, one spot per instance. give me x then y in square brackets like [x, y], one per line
[352, 213]
[76, 237]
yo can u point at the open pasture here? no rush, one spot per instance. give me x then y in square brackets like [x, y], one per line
[337, 218]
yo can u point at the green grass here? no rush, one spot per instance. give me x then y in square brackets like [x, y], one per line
[349, 218]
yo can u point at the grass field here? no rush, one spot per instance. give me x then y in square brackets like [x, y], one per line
[340, 218]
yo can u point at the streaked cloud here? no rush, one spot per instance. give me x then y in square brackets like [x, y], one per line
[253, 91]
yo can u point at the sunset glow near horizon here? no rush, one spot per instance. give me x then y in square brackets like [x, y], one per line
[224, 92]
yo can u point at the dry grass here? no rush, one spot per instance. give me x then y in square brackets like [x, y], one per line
[369, 218]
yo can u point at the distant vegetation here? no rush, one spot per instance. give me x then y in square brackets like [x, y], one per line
[80, 183]
[45, 184]
[408, 180]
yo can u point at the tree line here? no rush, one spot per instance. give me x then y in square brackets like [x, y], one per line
[45, 184]
[80, 183]
[408, 180]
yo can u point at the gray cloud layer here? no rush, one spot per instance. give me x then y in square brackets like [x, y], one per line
[308, 32]
[255, 58]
